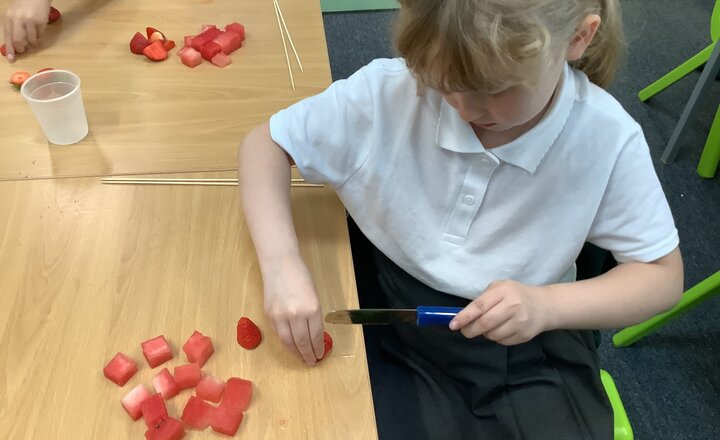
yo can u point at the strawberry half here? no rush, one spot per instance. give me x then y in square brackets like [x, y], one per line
[3, 51]
[154, 34]
[18, 78]
[248, 334]
[138, 43]
[54, 15]
[156, 51]
[327, 339]
[169, 45]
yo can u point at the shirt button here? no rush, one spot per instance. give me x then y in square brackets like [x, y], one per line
[469, 200]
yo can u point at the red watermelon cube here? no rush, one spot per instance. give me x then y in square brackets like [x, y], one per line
[153, 408]
[197, 413]
[198, 348]
[156, 351]
[188, 376]
[206, 27]
[165, 384]
[225, 420]
[209, 50]
[204, 38]
[132, 402]
[236, 28]
[166, 428]
[187, 41]
[229, 42]
[210, 389]
[237, 394]
[190, 57]
[120, 369]
[221, 60]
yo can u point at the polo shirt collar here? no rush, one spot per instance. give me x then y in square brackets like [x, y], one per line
[526, 152]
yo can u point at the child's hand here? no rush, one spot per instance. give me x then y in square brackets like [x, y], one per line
[507, 312]
[293, 308]
[25, 21]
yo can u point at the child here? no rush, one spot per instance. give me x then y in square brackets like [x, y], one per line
[25, 21]
[478, 165]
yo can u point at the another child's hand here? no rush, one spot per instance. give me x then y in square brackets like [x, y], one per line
[507, 312]
[293, 308]
[25, 21]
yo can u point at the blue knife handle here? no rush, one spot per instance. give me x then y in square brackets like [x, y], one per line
[434, 315]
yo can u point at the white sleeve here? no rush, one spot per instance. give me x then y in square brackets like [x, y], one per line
[633, 220]
[324, 134]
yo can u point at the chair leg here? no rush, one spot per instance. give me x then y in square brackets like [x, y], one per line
[623, 430]
[711, 153]
[691, 298]
[676, 74]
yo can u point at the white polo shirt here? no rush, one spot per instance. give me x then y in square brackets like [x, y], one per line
[422, 188]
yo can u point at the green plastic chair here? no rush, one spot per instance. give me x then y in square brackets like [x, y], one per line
[623, 431]
[702, 291]
[711, 152]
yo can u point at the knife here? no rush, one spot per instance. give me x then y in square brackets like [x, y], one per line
[422, 316]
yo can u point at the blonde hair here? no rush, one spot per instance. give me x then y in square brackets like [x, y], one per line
[490, 45]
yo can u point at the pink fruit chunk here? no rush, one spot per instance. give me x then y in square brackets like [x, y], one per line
[210, 389]
[132, 402]
[229, 42]
[220, 60]
[236, 28]
[165, 384]
[191, 57]
[204, 38]
[198, 348]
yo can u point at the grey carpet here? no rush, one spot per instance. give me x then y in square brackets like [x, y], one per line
[669, 381]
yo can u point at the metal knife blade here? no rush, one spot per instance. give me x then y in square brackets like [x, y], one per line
[422, 316]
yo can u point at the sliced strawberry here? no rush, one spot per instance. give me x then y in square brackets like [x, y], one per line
[210, 389]
[236, 28]
[120, 369]
[188, 376]
[132, 402]
[54, 15]
[153, 408]
[198, 348]
[169, 45]
[248, 334]
[150, 31]
[328, 340]
[138, 43]
[221, 60]
[165, 384]
[165, 428]
[3, 51]
[197, 413]
[156, 51]
[18, 78]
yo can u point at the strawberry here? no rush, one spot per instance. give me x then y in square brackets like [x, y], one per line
[45, 69]
[138, 43]
[54, 15]
[169, 45]
[3, 51]
[327, 339]
[154, 34]
[248, 334]
[156, 51]
[18, 78]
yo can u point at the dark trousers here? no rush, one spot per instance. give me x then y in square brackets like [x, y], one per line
[431, 383]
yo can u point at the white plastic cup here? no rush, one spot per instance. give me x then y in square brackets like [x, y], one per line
[54, 96]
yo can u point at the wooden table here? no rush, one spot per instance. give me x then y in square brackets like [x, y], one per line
[160, 117]
[87, 270]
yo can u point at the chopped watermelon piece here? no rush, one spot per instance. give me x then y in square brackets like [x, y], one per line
[132, 402]
[198, 348]
[166, 428]
[165, 384]
[221, 60]
[206, 27]
[153, 408]
[225, 420]
[156, 350]
[209, 50]
[197, 413]
[188, 376]
[210, 389]
[182, 50]
[205, 37]
[191, 57]
[120, 369]
[229, 42]
[237, 394]
[236, 28]
[188, 40]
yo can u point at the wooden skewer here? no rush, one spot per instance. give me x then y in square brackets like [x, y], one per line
[287, 58]
[194, 183]
[287, 32]
[172, 179]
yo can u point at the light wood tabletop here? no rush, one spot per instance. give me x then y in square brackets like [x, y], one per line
[160, 117]
[87, 270]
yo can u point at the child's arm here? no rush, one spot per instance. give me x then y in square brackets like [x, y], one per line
[511, 313]
[291, 302]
